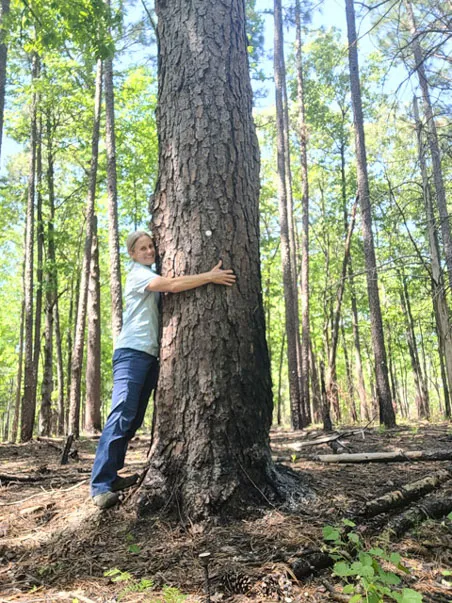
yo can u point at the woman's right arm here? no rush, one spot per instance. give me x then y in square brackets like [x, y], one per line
[178, 284]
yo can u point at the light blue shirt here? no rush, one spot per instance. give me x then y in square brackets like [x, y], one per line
[140, 328]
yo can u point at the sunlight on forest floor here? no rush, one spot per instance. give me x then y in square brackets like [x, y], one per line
[56, 546]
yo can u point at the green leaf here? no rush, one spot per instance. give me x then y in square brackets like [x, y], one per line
[349, 523]
[348, 589]
[395, 558]
[361, 569]
[356, 599]
[389, 578]
[353, 537]
[377, 552]
[410, 596]
[330, 533]
[341, 568]
[134, 548]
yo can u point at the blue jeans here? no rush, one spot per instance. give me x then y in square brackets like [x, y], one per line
[134, 377]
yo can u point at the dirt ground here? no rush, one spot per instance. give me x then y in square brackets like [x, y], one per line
[56, 546]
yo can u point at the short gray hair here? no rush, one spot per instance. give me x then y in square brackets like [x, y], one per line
[133, 238]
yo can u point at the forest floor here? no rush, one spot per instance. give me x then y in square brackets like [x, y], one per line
[56, 546]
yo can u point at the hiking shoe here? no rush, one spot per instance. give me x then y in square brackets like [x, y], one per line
[121, 483]
[106, 500]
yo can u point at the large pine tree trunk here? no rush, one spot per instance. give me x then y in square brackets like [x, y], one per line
[28, 399]
[4, 10]
[77, 352]
[303, 134]
[93, 352]
[113, 230]
[210, 450]
[286, 226]
[383, 391]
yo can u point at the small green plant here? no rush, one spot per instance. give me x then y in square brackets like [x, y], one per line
[132, 585]
[134, 549]
[365, 572]
[293, 458]
[172, 595]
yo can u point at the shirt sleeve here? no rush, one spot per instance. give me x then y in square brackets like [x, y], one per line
[139, 278]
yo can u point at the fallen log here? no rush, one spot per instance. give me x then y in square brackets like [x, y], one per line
[405, 494]
[23, 479]
[430, 509]
[398, 456]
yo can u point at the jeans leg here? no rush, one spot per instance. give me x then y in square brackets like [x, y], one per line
[148, 387]
[130, 375]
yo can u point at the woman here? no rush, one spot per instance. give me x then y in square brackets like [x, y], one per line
[135, 361]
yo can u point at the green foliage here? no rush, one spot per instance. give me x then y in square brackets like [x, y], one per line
[132, 585]
[366, 573]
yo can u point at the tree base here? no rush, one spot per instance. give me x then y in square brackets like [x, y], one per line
[281, 487]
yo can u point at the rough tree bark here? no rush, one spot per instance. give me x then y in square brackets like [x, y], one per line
[210, 447]
[93, 351]
[383, 391]
[77, 352]
[286, 225]
[28, 399]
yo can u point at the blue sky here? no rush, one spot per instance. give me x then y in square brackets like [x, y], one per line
[328, 14]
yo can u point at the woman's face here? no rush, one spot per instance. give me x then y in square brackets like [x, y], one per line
[143, 251]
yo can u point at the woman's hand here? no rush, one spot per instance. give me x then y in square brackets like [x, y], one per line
[222, 277]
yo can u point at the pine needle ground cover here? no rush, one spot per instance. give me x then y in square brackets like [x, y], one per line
[56, 546]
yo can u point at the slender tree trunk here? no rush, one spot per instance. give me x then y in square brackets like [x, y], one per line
[210, 451]
[383, 391]
[316, 398]
[290, 293]
[113, 230]
[422, 401]
[45, 413]
[47, 386]
[303, 134]
[440, 305]
[432, 138]
[348, 372]
[28, 400]
[93, 354]
[326, 416]
[331, 382]
[77, 353]
[39, 261]
[279, 401]
[15, 425]
[4, 11]
[60, 371]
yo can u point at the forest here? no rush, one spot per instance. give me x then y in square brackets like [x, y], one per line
[333, 211]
